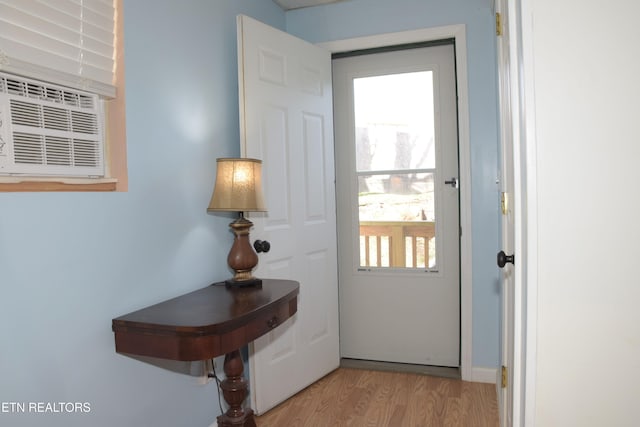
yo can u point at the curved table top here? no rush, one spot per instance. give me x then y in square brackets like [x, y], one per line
[207, 322]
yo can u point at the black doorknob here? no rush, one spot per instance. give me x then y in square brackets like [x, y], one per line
[261, 246]
[503, 259]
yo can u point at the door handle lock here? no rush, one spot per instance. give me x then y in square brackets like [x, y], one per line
[503, 259]
[261, 246]
[453, 182]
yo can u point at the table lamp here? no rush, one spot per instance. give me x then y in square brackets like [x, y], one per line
[238, 188]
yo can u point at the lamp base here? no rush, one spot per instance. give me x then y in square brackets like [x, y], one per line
[242, 258]
[253, 282]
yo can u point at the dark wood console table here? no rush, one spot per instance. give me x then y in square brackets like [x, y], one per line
[207, 323]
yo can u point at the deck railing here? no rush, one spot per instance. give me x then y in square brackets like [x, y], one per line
[396, 243]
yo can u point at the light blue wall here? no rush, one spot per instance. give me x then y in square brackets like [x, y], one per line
[69, 263]
[355, 18]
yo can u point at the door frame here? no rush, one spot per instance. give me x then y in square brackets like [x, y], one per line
[458, 33]
[520, 23]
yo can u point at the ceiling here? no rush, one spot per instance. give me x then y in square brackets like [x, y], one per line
[297, 4]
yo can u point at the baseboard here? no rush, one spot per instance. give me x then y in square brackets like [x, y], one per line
[484, 375]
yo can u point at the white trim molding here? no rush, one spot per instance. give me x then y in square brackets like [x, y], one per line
[527, 365]
[458, 33]
[484, 375]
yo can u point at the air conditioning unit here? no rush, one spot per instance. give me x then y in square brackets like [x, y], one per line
[49, 130]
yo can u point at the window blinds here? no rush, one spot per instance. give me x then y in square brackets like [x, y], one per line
[68, 42]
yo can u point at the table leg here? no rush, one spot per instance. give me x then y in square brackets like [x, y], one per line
[234, 389]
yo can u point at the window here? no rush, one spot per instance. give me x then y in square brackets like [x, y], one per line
[395, 166]
[62, 96]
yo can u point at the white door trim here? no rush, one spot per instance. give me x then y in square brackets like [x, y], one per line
[457, 32]
[526, 331]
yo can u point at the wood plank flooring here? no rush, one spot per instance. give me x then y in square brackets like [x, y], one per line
[357, 397]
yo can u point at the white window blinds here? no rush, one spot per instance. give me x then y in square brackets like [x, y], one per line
[68, 42]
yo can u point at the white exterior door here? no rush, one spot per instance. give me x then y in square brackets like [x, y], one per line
[398, 221]
[286, 121]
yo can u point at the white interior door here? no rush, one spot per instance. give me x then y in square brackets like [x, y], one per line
[286, 120]
[398, 221]
[505, 384]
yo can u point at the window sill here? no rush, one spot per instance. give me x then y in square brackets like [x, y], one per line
[15, 184]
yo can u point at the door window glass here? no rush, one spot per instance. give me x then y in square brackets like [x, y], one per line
[395, 167]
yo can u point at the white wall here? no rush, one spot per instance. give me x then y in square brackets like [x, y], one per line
[586, 66]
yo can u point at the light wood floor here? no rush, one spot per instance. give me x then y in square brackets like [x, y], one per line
[356, 397]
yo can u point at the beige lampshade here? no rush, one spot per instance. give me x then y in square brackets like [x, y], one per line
[238, 186]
